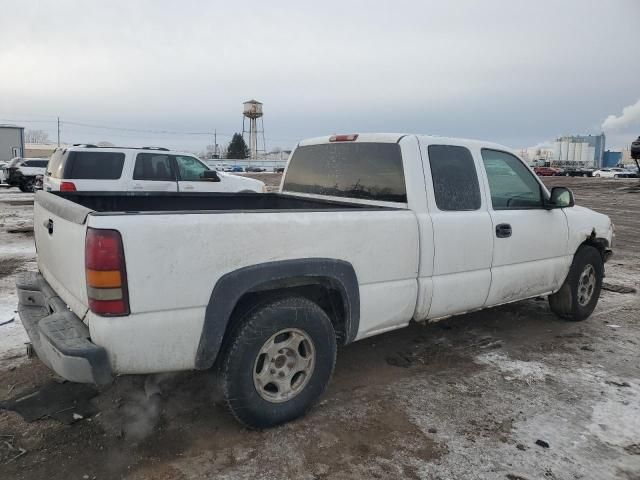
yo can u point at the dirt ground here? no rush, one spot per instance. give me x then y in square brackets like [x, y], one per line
[507, 393]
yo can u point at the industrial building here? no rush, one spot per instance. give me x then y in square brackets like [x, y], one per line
[11, 142]
[579, 151]
[611, 159]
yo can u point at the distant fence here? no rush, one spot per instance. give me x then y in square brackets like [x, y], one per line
[266, 164]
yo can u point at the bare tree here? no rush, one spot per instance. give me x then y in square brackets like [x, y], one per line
[36, 136]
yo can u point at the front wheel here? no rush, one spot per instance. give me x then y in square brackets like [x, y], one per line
[578, 296]
[29, 185]
[277, 362]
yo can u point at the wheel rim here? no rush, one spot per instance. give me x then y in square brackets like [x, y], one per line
[284, 365]
[586, 285]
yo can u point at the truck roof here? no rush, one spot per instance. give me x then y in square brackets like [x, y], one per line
[396, 137]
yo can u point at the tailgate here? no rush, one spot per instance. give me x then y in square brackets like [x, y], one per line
[59, 227]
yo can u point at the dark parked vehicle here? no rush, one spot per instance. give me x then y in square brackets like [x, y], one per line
[578, 172]
[22, 172]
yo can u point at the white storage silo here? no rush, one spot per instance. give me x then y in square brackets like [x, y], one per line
[591, 157]
[564, 150]
[555, 150]
[572, 152]
[577, 153]
[584, 156]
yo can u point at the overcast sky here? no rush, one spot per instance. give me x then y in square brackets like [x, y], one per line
[516, 72]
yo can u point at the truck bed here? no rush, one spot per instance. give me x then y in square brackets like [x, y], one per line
[104, 203]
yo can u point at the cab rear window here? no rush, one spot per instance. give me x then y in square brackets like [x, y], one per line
[87, 165]
[371, 171]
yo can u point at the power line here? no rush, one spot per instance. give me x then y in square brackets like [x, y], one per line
[61, 122]
[141, 130]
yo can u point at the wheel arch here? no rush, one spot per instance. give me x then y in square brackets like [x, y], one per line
[599, 243]
[331, 283]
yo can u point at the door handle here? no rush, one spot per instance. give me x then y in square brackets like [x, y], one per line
[503, 230]
[137, 186]
[188, 187]
[48, 224]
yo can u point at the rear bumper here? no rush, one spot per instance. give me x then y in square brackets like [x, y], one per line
[58, 336]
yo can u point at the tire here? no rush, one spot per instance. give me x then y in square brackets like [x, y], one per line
[265, 384]
[578, 296]
[29, 185]
[597, 175]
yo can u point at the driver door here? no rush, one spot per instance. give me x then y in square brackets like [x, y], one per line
[191, 176]
[530, 243]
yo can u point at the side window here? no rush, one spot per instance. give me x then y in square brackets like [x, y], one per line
[154, 166]
[191, 169]
[455, 181]
[512, 185]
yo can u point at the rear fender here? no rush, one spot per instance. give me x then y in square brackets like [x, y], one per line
[232, 286]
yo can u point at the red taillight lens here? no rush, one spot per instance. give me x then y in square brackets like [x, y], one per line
[67, 187]
[105, 273]
[344, 138]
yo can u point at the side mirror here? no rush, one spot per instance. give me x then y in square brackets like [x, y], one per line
[210, 175]
[561, 197]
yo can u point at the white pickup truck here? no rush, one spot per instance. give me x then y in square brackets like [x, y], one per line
[368, 233]
[146, 169]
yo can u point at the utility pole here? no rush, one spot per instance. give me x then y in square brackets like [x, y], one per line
[215, 144]
[58, 131]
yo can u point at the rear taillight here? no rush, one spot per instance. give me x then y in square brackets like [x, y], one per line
[344, 138]
[105, 273]
[67, 187]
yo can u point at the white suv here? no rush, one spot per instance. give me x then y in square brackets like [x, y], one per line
[91, 168]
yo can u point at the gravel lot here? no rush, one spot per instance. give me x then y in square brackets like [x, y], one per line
[508, 393]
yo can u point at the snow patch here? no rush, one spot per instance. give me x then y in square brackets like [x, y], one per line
[528, 371]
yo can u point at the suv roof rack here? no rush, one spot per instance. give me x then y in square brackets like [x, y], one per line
[90, 145]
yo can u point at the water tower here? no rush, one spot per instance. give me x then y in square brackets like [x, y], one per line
[253, 111]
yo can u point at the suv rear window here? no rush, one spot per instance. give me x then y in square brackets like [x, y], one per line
[35, 163]
[371, 171]
[87, 165]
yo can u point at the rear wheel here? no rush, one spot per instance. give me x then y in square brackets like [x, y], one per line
[578, 296]
[277, 362]
[29, 185]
